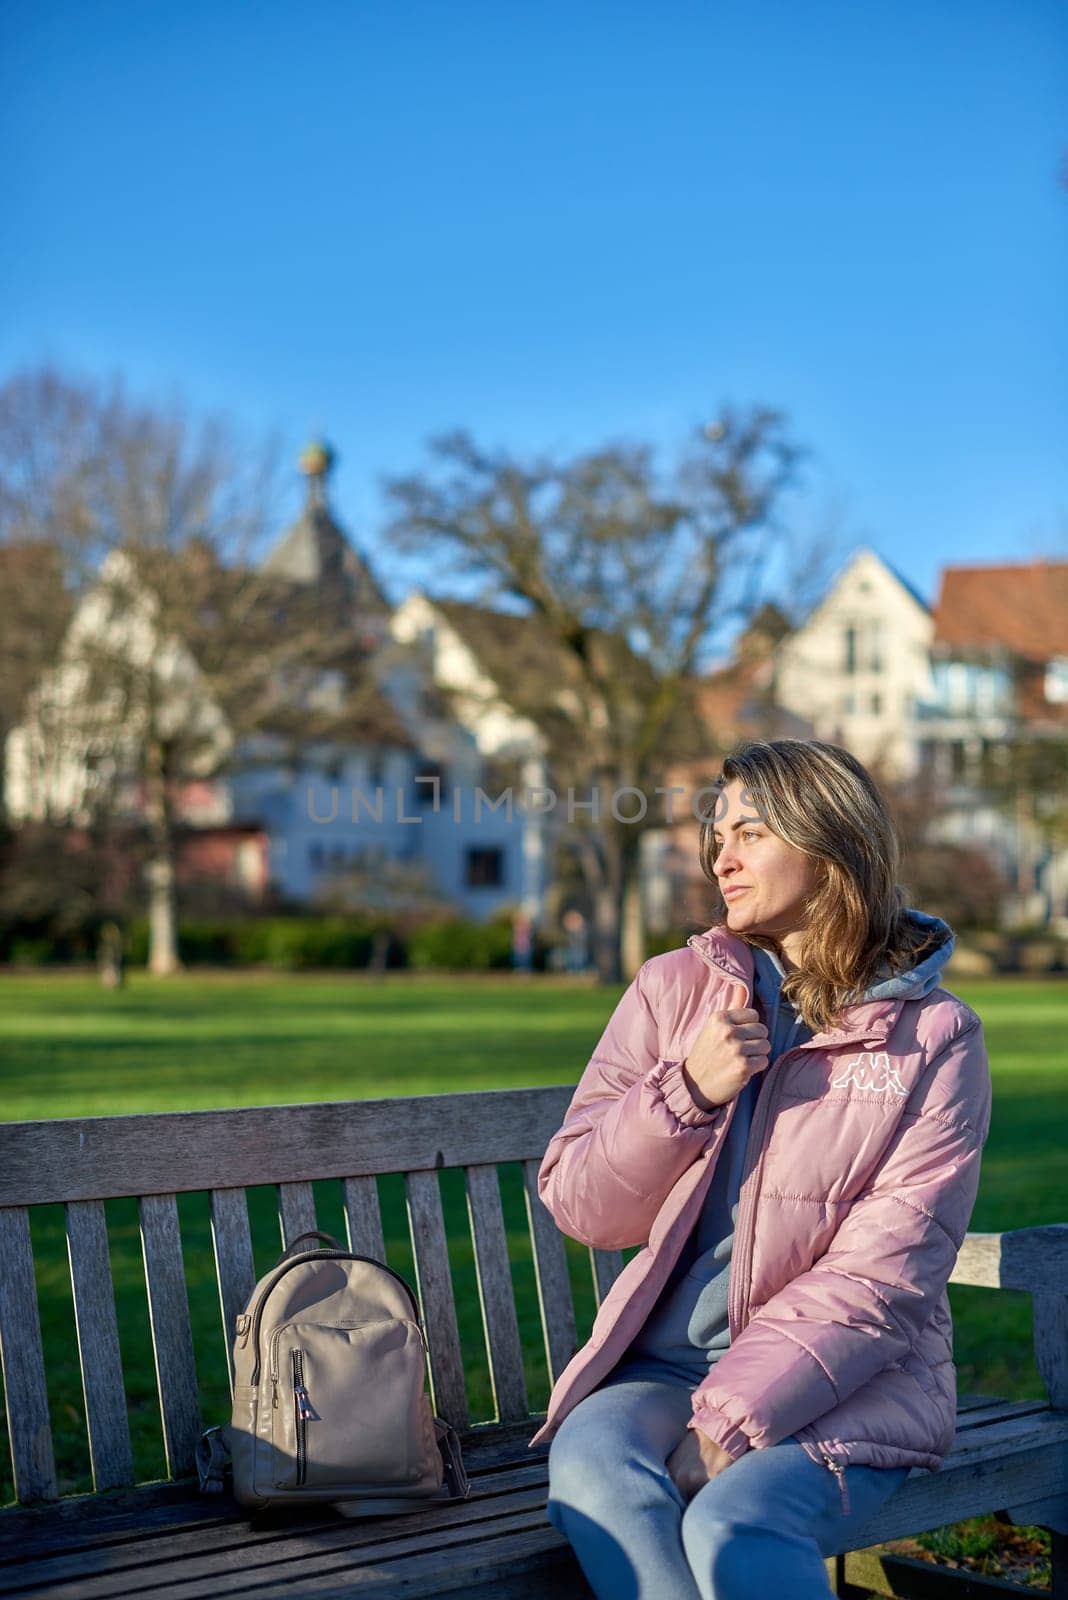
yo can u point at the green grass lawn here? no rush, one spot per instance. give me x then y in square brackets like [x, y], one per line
[69, 1049]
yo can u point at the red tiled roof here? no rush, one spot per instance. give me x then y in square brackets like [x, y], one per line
[1021, 607]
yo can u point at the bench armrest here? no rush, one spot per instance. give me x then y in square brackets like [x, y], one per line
[1035, 1259]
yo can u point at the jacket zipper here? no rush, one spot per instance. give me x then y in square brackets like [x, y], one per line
[303, 1412]
[745, 1231]
[839, 1471]
[253, 1329]
[745, 1226]
[822, 1458]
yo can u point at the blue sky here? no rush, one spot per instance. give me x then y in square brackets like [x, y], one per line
[559, 224]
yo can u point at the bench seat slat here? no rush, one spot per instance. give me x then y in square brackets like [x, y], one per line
[326, 1549]
[328, 1556]
[434, 1283]
[98, 1345]
[25, 1388]
[555, 1300]
[496, 1292]
[172, 1336]
[232, 1241]
[363, 1214]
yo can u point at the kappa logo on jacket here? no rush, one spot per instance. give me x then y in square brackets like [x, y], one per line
[873, 1072]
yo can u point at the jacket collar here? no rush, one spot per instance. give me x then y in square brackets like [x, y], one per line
[866, 1021]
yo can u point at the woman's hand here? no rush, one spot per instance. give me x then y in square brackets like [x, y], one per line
[695, 1462]
[731, 1046]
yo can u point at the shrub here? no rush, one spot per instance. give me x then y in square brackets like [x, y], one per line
[459, 944]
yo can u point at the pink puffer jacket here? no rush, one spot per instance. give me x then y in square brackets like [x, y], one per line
[858, 1185]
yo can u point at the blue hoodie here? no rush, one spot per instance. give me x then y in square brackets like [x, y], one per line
[687, 1330]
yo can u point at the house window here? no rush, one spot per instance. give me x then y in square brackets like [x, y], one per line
[849, 640]
[876, 704]
[485, 868]
[1056, 683]
[875, 646]
[849, 703]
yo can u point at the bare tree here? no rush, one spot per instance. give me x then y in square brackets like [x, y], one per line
[628, 573]
[181, 652]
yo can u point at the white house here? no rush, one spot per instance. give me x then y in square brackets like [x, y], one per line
[859, 664]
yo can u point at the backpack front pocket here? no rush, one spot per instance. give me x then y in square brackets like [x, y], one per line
[346, 1403]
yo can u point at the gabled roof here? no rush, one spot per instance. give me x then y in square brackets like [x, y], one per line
[516, 650]
[1014, 606]
[904, 582]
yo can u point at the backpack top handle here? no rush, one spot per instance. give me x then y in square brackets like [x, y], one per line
[294, 1248]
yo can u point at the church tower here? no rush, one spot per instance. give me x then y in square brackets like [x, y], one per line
[316, 551]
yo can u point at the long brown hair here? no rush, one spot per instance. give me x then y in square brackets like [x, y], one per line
[820, 799]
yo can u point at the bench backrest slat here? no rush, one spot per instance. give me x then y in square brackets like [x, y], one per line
[98, 1158]
[1051, 1344]
[555, 1300]
[98, 1345]
[296, 1211]
[232, 1239]
[1026, 1258]
[607, 1265]
[29, 1424]
[434, 1283]
[496, 1293]
[172, 1336]
[363, 1217]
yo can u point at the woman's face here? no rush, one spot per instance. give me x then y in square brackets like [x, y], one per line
[764, 881]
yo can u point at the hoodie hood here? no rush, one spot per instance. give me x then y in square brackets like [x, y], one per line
[925, 975]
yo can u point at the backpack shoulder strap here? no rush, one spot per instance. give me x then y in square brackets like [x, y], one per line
[213, 1460]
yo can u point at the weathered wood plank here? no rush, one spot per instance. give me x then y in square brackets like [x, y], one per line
[1008, 1471]
[25, 1389]
[172, 1336]
[234, 1270]
[98, 1345]
[296, 1211]
[607, 1265]
[438, 1308]
[496, 1293]
[295, 1564]
[363, 1217]
[555, 1300]
[1051, 1345]
[495, 1456]
[240, 1546]
[1026, 1258]
[99, 1157]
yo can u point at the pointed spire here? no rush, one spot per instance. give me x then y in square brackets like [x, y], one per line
[316, 461]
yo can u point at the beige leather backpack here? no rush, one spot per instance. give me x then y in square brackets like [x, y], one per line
[329, 1391]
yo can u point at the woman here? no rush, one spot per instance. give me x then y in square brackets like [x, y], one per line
[788, 1114]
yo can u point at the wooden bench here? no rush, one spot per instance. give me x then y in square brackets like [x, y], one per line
[163, 1539]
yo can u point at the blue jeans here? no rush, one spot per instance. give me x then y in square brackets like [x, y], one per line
[761, 1527]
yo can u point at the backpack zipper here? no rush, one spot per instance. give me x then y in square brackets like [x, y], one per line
[253, 1330]
[303, 1412]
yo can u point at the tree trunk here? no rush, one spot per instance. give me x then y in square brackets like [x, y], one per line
[607, 954]
[163, 958]
[633, 940]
